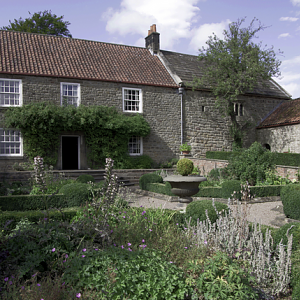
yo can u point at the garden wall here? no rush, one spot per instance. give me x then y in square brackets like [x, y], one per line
[206, 165]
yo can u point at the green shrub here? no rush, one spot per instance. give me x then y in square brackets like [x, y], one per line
[211, 192]
[140, 274]
[185, 166]
[169, 164]
[85, 178]
[135, 162]
[229, 186]
[295, 281]
[149, 178]
[280, 234]
[76, 194]
[290, 197]
[288, 159]
[214, 175]
[224, 278]
[196, 210]
[32, 202]
[265, 191]
[251, 164]
[222, 155]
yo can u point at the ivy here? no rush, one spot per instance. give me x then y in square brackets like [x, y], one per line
[106, 130]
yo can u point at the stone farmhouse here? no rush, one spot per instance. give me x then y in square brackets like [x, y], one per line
[144, 80]
[280, 130]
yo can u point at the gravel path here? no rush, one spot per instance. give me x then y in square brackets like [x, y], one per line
[268, 213]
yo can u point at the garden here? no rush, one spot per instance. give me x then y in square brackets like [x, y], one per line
[67, 239]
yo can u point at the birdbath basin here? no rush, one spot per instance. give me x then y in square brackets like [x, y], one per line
[184, 187]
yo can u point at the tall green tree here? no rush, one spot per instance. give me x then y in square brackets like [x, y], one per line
[42, 22]
[233, 66]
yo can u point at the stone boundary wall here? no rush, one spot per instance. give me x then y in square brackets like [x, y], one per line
[205, 165]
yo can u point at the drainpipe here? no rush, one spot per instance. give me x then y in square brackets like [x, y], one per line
[180, 92]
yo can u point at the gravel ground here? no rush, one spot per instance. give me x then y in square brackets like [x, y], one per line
[268, 213]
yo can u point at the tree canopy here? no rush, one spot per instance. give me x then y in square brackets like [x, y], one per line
[42, 22]
[233, 66]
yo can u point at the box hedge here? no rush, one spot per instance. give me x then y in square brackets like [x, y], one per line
[76, 194]
[290, 197]
[160, 188]
[149, 178]
[35, 216]
[32, 202]
[221, 155]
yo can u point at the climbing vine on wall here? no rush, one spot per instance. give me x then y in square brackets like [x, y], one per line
[106, 130]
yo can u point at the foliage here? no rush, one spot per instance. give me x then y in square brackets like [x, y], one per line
[185, 166]
[272, 178]
[201, 209]
[230, 186]
[231, 234]
[149, 178]
[222, 155]
[160, 188]
[290, 197]
[135, 162]
[169, 164]
[120, 274]
[185, 147]
[42, 22]
[280, 235]
[225, 278]
[235, 65]
[251, 164]
[106, 131]
[15, 188]
[76, 194]
[85, 178]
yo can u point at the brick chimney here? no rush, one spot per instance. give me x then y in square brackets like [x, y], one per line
[152, 40]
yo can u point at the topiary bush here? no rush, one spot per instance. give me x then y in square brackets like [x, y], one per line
[149, 178]
[290, 197]
[196, 210]
[185, 166]
[85, 178]
[229, 186]
[76, 193]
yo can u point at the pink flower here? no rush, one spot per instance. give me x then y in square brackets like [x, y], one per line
[53, 250]
[83, 250]
[78, 295]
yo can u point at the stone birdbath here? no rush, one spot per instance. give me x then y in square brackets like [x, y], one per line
[184, 187]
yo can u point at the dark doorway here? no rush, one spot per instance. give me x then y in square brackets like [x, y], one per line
[69, 146]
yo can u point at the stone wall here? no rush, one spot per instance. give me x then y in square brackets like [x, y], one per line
[204, 127]
[281, 138]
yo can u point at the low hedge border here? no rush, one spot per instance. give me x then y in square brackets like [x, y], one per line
[217, 192]
[35, 216]
[31, 202]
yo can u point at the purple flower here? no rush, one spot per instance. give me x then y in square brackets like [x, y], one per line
[123, 217]
[185, 247]
[145, 217]
[6, 279]
[10, 282]
[83, 250]
[143, 241]
[150, 229]
[143, 212]
[38, 284]
[53, 250]
[23, 287]
[122, 247]
[66, 256]
[129, 249]
[78, 295]
[129, 244]
[96, 249]
[171, 262]
[205, 242]
[82, 255]
[176, 223]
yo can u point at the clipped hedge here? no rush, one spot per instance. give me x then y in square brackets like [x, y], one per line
[211, 192]
[230, 186]
[35, 216]
[290, 197]
[284, 159]
[160, 188]
[266, 190]
[222, 155]
[149, 178]
[31, 202]
[76, 194]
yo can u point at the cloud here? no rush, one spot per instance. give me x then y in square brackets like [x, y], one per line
[290, 79]
[136, 16]
[296, 2]
[290, 19]
[201, 34]
[283, 35]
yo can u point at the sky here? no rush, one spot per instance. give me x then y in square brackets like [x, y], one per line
[184, 25]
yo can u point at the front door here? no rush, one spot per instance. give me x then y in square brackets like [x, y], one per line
[70, 152]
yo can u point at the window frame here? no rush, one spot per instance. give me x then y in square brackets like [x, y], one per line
[140, 100]
[20, 92]
[238, 109]
[78, 92]
[21, 143]
[140, 146]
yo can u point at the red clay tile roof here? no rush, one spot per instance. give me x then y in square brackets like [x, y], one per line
[288, 113]
[45, 55]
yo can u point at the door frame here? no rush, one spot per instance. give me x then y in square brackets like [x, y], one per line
[79, 141]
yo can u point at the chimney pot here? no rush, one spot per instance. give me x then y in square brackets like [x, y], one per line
[152, 40]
